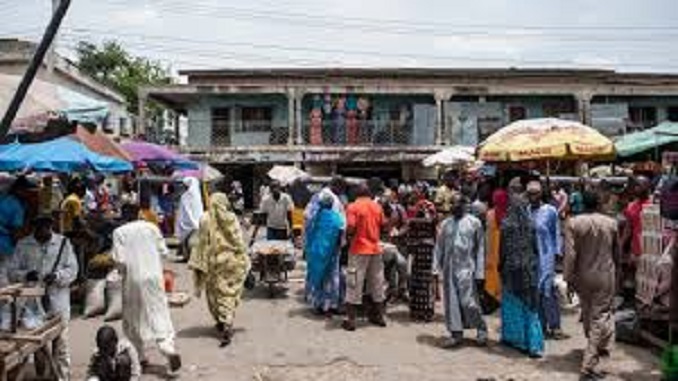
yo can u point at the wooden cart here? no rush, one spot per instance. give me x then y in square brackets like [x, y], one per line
[17, 346]
[273, 260]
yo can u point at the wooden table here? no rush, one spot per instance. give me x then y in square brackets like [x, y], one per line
[17, 346]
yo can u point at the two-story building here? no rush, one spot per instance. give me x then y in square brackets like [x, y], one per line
[384, 121]
[15, 56]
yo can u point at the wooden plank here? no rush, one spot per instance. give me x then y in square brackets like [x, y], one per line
[21, 337]
[654, 340]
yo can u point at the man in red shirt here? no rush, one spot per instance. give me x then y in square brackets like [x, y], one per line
[365, 221]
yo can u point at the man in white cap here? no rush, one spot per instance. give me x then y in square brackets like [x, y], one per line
[547, 226]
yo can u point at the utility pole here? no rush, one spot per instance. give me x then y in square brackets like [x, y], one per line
[34, 65]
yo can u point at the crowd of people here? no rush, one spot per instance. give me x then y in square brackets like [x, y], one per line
[499, 246]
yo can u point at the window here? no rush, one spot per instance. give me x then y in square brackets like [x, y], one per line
[672, 113]
[256, 119]
[642, 117]
[516, 113]
[221, 126]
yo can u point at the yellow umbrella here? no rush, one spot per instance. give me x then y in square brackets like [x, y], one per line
[547, 139]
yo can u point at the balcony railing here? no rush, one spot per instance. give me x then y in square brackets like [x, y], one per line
[247, 133]
[361, 133]
[357, 133]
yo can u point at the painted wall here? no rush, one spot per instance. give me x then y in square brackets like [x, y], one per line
[200, 117]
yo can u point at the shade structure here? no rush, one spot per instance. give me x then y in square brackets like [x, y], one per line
[456, 155]
[100, 143]
[206, 172]
[641, 141]
[63, 155]
[46, 101]
[547, 138]
[149, 153]
[286, 174]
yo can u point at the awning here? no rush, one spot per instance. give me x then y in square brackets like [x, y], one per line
[45, 101]
[637, 142]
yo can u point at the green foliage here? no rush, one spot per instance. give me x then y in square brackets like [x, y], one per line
[113, 66]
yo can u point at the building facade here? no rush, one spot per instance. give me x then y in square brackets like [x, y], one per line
[15, 56]
[384, 121]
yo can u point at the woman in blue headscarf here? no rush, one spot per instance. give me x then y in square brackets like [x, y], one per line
[323, 239]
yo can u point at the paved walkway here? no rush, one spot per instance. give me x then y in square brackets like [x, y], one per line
[279, 340]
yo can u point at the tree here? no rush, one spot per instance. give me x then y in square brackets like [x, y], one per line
[113, 66]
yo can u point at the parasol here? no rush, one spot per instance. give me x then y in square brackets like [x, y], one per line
[549, 139]
[456, 155]
[63, 155]
[46, 101]
[206, 173]
[148, 153]
[286, 174]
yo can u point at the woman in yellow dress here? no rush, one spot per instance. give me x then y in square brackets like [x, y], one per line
[494, 218]
[220, 263]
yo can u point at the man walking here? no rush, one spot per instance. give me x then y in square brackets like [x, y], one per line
[365, 221]
[547, 225]
[591, 262]
[138, 248]
[278, 207]
[48, 258]
[460, 255]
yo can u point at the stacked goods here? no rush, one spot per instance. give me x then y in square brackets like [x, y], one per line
[420, 244]
[652, 234]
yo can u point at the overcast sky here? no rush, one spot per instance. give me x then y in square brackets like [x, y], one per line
[627, 35]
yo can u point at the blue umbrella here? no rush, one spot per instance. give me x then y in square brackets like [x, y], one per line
[59, 155]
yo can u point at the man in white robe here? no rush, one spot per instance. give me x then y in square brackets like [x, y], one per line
[460, 256]
[138, 249]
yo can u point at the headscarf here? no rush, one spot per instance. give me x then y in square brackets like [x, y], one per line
[190, 208]
[313, 206]
[500, 201]
[519, 259]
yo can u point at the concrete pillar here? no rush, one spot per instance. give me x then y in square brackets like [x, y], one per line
[584, 107]
[439, 121]
[441, 96]
[298, 118]
[142, 122]
[290, 116]
[177, 128]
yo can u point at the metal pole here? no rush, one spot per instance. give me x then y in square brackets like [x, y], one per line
[34, 66]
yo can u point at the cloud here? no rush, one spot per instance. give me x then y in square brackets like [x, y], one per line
[136, 16]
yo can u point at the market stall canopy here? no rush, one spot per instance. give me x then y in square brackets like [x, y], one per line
[637, 142]
[99, 143]
[286, 174]
[63, 155]
[206, 173]
[456, 155]
[46, 101]
[144, 153]
[547, 138]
